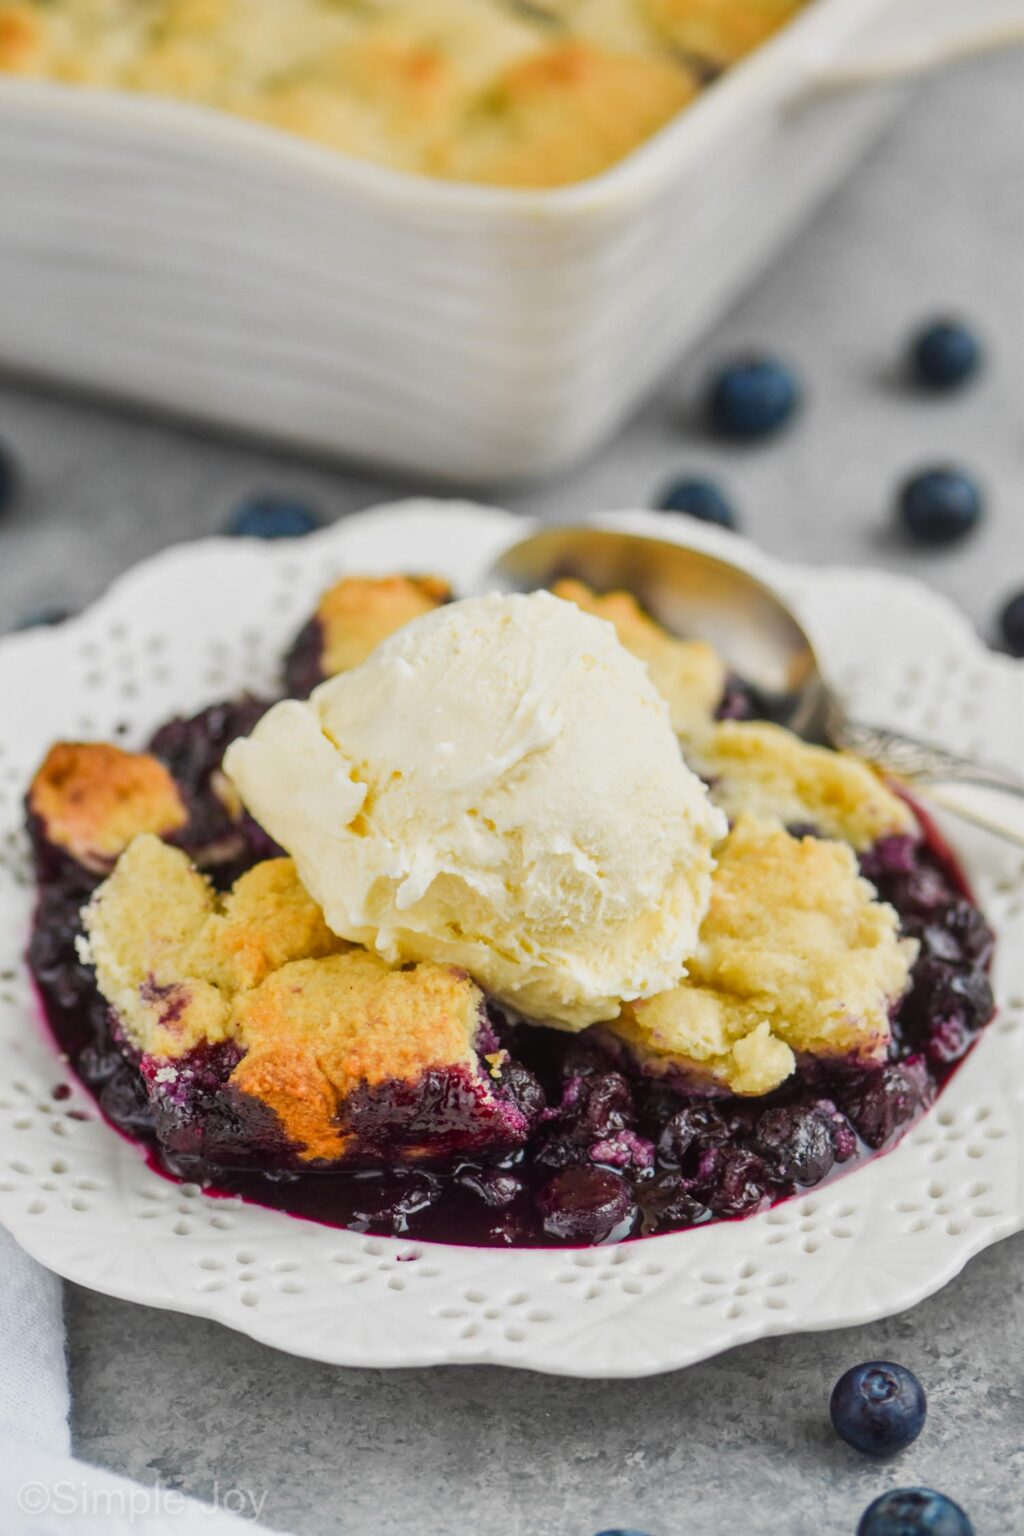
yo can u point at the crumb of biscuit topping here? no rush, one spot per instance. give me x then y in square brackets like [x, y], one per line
[770, 772]
[184, 968]
[795, 957]
[156, 927]
[564, 113]
[92, 798]
[358, 612]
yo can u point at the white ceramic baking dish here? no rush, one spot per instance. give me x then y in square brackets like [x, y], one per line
[177, 257]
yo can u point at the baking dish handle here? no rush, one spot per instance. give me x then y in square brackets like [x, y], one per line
[919, 38]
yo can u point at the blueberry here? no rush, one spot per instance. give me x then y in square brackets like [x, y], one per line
[970, 930]
[387, 1201]
[523, 1089]
[698, 1125]
[881, 1100]
[739, 1181]
[1011, 622]
[271, 517]
[667, 1202]
[948, 1042]
[941, 992]
[490, 1185]
[914, 1512]
[124, 1100]
[895, 855]
[43, 618]
[701, 499]
[939, 506]
[7, 479]
[586, 1205]
[605, 1106]
[844, 1137]
[796, 1143]
[878, 1408]
[955, 933]
[923, 893]
[753, 398]
[621, 1531]
[944, 354]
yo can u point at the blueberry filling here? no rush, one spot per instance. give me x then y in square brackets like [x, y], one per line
[218, 831]
[611, 1154]
[303, 667]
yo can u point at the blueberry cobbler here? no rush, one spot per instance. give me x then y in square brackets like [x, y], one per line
[509, 923]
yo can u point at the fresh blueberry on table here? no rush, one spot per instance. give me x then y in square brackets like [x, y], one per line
[914, 1512]
[1011, 622]
[701, 499]
[271, 517]
[6, 479]
[42, 618]
[878, 1408]
[753, 398]
[944, 354]
[939, 506]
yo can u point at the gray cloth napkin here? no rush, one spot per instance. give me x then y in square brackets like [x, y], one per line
[43, 1490]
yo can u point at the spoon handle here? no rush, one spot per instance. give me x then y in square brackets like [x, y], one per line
[920, 762]
[937, 772]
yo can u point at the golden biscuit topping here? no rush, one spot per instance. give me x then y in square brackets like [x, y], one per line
[770, 772]
[93, 798]
[316, 1030]
[719, 31]
[563, 115]
[502, 92]
[358, 612]
[795, 957]
[689, 674]
[185, 967]
[170, 953]
[22, 40]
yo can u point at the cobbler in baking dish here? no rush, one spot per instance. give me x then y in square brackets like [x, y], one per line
[519, 93]
[506, 926]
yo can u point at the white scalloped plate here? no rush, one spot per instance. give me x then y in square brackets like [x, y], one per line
[208, 619]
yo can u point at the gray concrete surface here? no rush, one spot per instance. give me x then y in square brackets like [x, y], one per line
[934, 220]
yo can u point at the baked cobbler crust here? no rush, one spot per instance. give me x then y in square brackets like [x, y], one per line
[491, 91]
[564, 114]
[317, 1030]
[351, 619]
[92, 798]
[186, 969]
[767, 771]
[718, 31]
[171, 953]
[796, 958]
[358, 612]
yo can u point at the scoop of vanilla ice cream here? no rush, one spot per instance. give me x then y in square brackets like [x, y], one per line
[498, 786]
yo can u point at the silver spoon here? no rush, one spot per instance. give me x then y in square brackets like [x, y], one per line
[695, 594]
